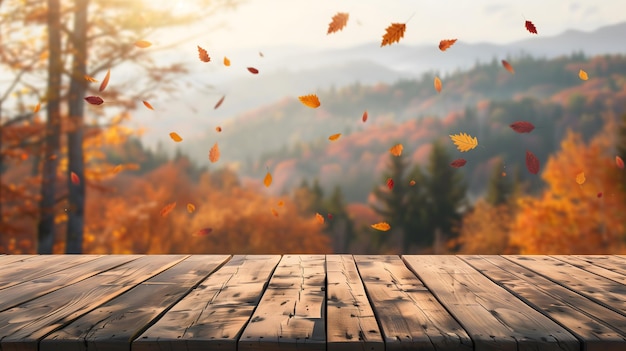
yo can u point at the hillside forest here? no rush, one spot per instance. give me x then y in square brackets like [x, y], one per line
[523, 156]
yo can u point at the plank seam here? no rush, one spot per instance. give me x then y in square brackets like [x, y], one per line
[369, 299]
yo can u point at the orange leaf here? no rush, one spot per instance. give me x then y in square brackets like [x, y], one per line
[105, 81]
[334, 137]
[203, 54]
[90, 79]
[446, 43]
[437, 84]
[339, 21]
[74, 178]
[142, 44]
[214, 153]
[268, 179]
[117, 169]
[393, 34]
[176, 137]
[281, 203]
[37, 107]
[396, 150]
[218, 129]
[508, 66]
[219, 103]
[364, 118]
[583, 75]
[580, 178]
[226, 61]
[412, 182]
[191, 207]
[147, 104]
[274, 212]
[382, 226]
[167, 209]
[310, 100]
[203, 232]
[319, 218]
[619, 162]
[253, 70]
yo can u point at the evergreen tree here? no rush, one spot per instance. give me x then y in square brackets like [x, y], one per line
[500, 188]
[340, 227]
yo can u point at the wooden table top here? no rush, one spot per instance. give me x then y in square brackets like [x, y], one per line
[312, 302]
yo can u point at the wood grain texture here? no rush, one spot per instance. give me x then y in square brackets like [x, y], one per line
[23, 326]
[39, 266]
[494, 318]
[599, 289]
[615, 271]
[114, 324]
[6, 259]
[409, 315]
[214, 314]
[291, 313]
[350, 320]
[599, 328]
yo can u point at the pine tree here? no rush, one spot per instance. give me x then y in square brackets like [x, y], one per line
[340, 227]
[500, 189]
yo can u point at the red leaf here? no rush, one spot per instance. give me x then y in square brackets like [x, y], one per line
[253, 70]
[508, 66]
[203, 54]
[75, 179]
[530, 27]
[619, 162]
[203, 232]
[532, 162]
[522, 127]
[219, 103]
[599, 195]
[458, 163]
[94, 100]
[390, 183]
[364, 118]
[330, 216]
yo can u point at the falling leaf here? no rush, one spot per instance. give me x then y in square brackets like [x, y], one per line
[218, 129]
[583, 75]
[580, 178]
[508, 66]
[261, 54]
[396, 150]
[105, 81]
[530, 27]
[319, 218]
[253, 70]
[464, 142]
[334, 137]
[522, 127]
[219, 103]
[412, 182]
[147, 104]
[74, 178]
[274, 212]
[281, 203]
[503, 174]
[167, 209]
[90, 79]
[176, 137]
[532, 163]
[268, 179]
[458, 163]
[390, 183]
[203, 54]
[94, 100]
[393, 34]
[619, 162]
[214, 153]
[330, 217]
[191, 207]
[382, 226]
[203, 232]
[117, 169]
[339, 21]
[37, 107]
[446, 43]
[142, 44]
[364, 118]
[599, 195]
[226, 61]
[310, 101]
[437, 83]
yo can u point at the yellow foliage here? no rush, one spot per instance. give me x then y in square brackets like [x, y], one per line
[486, 230]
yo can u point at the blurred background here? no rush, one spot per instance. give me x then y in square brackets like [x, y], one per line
[91, 90]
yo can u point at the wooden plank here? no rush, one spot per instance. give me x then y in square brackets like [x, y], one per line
[38, 266]
[409, 315]
[31, 289]
[601, 290]
[291, 313]
[23, 326]
[6, 259]
[215, 313]
[114, 325]
[599, 328]
[591, 265]
[611, 262]
[494, 318]
[350, 321]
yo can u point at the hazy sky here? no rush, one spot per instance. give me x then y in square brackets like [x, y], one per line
[263, 23]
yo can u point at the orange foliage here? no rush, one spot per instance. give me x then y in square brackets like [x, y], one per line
[486, 230]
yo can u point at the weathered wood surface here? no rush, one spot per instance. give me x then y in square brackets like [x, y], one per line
[312, 302]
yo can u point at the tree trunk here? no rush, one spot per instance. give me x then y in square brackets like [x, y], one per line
[45, 227]
[75, 135]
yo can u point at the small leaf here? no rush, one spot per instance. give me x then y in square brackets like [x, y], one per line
[619, 162]
[393, 34]
[117, 169]
[203, 54]
[508, 66]
[191, 207]
[281, 203]
[226, 61]
[396, 150]
[583, 75]
[74, 178]
[580, 178]
[364, 118]
[464, 142]
[261, 54]
[339, 21]
[522, 127]
[458, 163]
[437, 83]
[203, 232]
[532, 163]
[143, 44]
[219, 103]
[412, 182]
[268, 179]
[382, 226]
[105, 81]
[147, 104]
[334, 137]
[214, 153]
[446, 43]
[94, 100]
[274, 212]
[599, 195]
[530, 27]
[218, 129]
[253, 70]
[176, 137]
[37, 107]
[90, 79]
[167, 209]
[390, 183]
[319, 218]
[310, 101]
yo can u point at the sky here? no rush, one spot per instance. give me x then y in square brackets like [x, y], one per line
[258, 24]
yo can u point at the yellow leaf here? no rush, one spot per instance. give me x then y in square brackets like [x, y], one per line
[90, 79]
[310, 101]
[176, 137]
[382, 226]
[268, 179]
[319, 218]
[142, 44]
[334, 137]
[191, 208]
[226, 61]
[583, 75]
[438, 84]
[147, 104]
[464, 142]
[393, 34]
[37, 107]
[396, 150]
[580, 178]
[214, 153]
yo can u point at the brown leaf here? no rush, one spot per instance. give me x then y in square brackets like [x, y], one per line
[339, 21]
[253, 70]
[218, 129]
[203, 54]
[508, 66]
[219, 103]
[446, 43]
[393, 34]
[214, 153]
[94, 100]
[105, 81]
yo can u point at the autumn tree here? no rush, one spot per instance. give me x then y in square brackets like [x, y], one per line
[486, 229]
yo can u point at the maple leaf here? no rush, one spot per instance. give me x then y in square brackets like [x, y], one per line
[583, 75]
[310, 100]
[253, 70]
[619, 162]
[364, 118]
[268, 179]
[105, 81]
[191, 207]
[339, 21]
[464, 142]
[532, 163]
[437, 83]
[396, 150]
[319, 218]
[446, 43]
[176, 137]
[508, 66]
[334, 137]
[522, 127]
[147, 104]
[530, 27]
[37, 107]
[214, 153]
[203, 54]
[390, 183]
[94, 100]
[219, 103]
[226, 61]
[580, 178]
[74, 178]
[393, 34]
[90, 79]
[382, 226]
[458, 163]
[167, 209]
[142, 44]
[203, 232]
